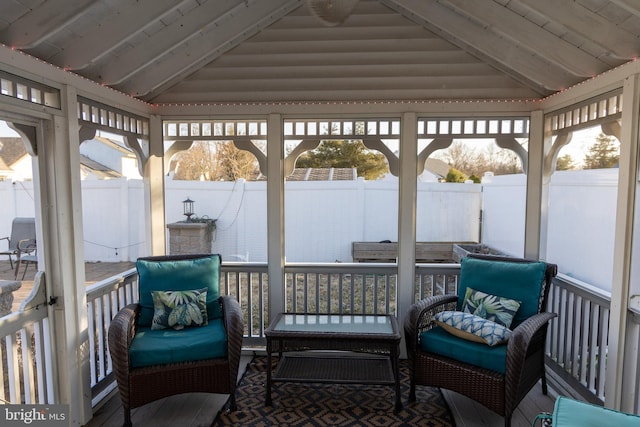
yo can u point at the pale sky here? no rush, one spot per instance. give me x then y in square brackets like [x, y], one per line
[5, 130]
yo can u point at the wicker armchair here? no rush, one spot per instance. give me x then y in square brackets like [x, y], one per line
[139, 385]
[435, 353]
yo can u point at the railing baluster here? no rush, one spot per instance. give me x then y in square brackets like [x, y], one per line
[46, 332]
[12, 369]
[91, 331]
[40, 369]
[27, 363]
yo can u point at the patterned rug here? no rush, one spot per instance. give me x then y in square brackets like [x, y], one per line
[319, 405]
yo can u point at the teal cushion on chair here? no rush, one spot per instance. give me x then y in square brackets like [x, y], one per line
[568, 412]
[439, 341]
[515, 280]
[177, 275]
[163, 346]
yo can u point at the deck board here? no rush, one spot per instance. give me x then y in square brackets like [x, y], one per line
[200, 409]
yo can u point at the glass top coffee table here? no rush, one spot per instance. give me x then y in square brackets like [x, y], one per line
[334, 348]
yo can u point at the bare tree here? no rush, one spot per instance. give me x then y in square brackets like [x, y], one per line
[216, 161]
[474, 162]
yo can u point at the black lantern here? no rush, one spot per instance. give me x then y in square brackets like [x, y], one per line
[188, 208]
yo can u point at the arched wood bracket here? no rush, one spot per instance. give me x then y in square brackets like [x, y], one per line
[174, 149]
[552, 157]
[433, 146]
[38, 296]
[141, 151]
[372, 143]
[88, 132]
[610, 128]
[28, 134]
[379, 145]
[240, 143]
[290, 159]
[510, 143]
[248, 145]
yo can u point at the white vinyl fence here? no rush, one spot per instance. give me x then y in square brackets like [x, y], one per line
[324, 218]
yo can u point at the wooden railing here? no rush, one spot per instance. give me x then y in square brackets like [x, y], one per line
[578, 338]
[576, 346]
[26, 373]
[104, 300]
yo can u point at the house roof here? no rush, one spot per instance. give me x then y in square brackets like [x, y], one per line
[323, 174]
[12, 149]
[96, 168]
[194, 51]
[437, 167]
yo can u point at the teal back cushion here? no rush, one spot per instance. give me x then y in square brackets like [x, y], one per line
[522, 282]
[175, 275]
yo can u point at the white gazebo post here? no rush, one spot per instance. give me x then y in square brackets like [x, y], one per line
[59, 155]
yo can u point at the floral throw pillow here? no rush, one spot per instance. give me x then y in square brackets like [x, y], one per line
[179, 309]
[491, 307]
[472, 328]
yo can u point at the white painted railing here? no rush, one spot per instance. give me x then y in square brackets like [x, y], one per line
[576, 345]
[25, 352]
[578, 338]
[104, 300]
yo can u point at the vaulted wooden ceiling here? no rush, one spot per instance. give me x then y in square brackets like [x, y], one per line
[205, 51]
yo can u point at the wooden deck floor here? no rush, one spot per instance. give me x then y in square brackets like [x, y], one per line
[199, 409]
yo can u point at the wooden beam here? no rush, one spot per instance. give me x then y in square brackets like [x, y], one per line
[503, 54]
[208, 44]
[114, 30]
[145, 53]
[589, 25]
[43, 21]
[537, 40]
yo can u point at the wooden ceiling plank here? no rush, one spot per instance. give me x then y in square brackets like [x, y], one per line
[256, 47]
[302, 83]
[631, 6]
[340, 70]
[115, 70]
[42, 22]
[330, 95]
[589, 25]
[501, 53]
[130, 19]
[531, 36]
[347, 58]
[208, 45]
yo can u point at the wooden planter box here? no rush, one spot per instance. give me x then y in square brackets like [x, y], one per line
[388, 251]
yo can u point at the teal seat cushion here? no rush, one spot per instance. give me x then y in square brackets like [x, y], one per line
[178, 275]
[523, 282]
[439, 341]
[568, 412]
[164, 346]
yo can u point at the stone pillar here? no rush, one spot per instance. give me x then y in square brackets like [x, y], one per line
[6, 295]
[190, 237]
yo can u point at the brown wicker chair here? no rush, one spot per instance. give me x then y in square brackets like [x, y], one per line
[141, 385]
[500, 392]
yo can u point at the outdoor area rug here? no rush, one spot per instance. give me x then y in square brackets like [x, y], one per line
[314, 405]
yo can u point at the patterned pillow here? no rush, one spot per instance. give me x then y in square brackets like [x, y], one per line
[472, 328]
[177, 309]
[491, 307]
